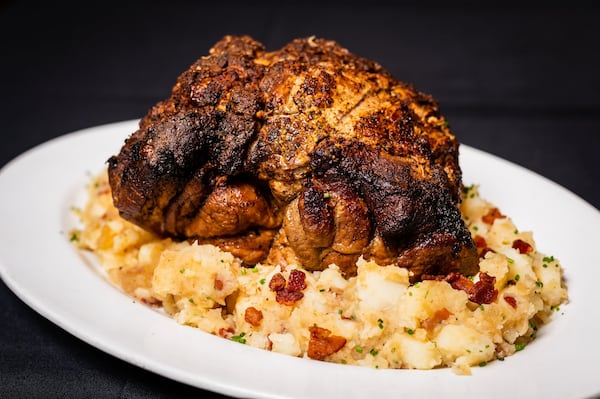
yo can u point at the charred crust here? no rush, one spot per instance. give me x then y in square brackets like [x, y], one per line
[341, 156]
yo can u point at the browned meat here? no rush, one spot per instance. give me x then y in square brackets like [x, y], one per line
[307, 154]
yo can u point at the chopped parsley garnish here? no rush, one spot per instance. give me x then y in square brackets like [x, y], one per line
[358, 349]
[409, 331]
[262, 281]
[380, 323]
[239, 338]
[373, 351]
[74, 237]
[519, 346]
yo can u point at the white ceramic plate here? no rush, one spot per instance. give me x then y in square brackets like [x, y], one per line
[40, 265]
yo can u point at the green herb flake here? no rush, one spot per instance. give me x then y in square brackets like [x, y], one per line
[262, 281]
[481, 307]
[244, 271]
[374, 352]
[548, 259]
[327, 195]
[191, 300]
[343, 361]
[510, 260]
[74, 237]
[517, 277]
[358, 349]
[409, 331]
[322, 290]
[475, 228]
[340, 311]
[380, 323]
[539, 284]
[239, 338]
[519, 346]
[482, 364]
[254, 269]
[532, 325]
[182, 270]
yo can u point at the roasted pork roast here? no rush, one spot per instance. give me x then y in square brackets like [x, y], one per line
[306, 155]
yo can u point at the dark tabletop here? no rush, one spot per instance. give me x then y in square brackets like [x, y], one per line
[519, 82]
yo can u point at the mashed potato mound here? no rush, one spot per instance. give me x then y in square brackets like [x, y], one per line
[376, 319]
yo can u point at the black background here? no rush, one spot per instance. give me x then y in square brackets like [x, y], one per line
[521, 82]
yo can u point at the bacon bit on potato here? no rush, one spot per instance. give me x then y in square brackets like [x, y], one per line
[480, 292]
[511, 301]
[479, 241]
[493, 214]
[288, 293]
[277, 282]
[484, 251]
[296, 281]
[289, 298]
[253, 316]
[226, 332]
[522, 246]
[483, 291]
[323, 344]
[440, 315]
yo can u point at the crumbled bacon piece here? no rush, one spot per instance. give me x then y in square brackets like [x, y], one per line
[323, 344]
[226, 332]
[481, 245]
[277, 282]
[493, 214]
[479, 241]
[484, 251]
[151, 301]
[218, 284]
[289, 298]
[296, 281]
[459, 282]
[288, 293]
[522, 246]
[253, 316]
[439, 316]
[511, 301]
[480, 292]
[483, 291]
